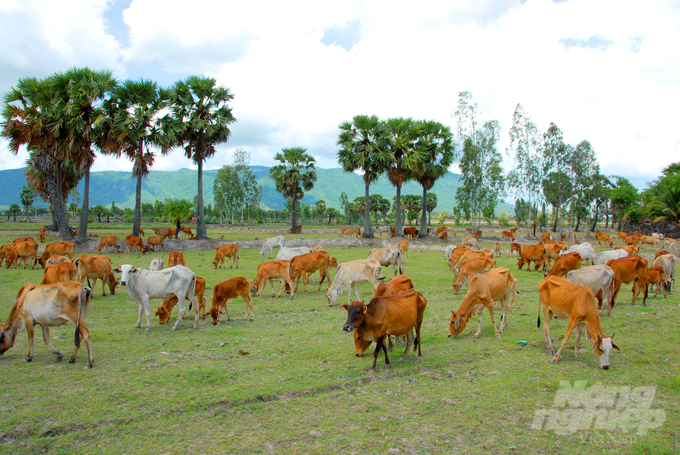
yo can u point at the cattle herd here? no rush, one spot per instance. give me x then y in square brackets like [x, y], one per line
[568, 290]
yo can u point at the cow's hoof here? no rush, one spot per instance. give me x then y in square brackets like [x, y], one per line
[371, 371]
[476, 335]
[553, 360]
[59, 357]
[72, 360]
[498, 336]
[137, 326]
[28, 359]
[420, 358]
[89, 366]
[148, 329]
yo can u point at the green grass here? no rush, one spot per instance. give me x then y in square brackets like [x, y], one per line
[301, 389]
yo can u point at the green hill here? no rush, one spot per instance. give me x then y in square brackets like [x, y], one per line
[119, 187]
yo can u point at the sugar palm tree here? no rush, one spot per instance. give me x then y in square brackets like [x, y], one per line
[436, 141]
[295, 175]
[364, 146]
[179, 210]
[200, 119]
[133, 128]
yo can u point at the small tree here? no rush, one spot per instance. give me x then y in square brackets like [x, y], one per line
[295, 175]
[321, 209]
[27, 197]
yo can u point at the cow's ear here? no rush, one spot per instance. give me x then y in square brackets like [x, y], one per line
[134, 270]
[365, 308]
[116, 270]
[457, 323]
[344, 307]
[615, 346]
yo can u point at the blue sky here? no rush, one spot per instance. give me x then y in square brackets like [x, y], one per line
[605, 71]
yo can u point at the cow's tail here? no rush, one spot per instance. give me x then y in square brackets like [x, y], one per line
[613, 288]
[192, 292]
[75, 263]
[83, 299]
[325, 271]
[540, 306]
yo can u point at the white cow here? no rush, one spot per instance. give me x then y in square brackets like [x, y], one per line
[667, 262]
[270, 243]
[156, 265]
[143, 285]
[586, 251]
[596, 278]
[349, 274]
[447, 251]
[670, 244]
[381, 229]
[609, 255]
[387, 256]
[286, 254]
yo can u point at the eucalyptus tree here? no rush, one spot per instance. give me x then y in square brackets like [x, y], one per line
[200, 120]
[584, 169]
[83, 91]
[405, 161]
[436, 141]
[599, 193]
[557, 183]
[624, 196]
[364, 147]
[134, 127]
[526, 177]
[295, 175]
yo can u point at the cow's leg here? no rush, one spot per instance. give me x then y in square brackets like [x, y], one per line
[570, 327]
[409, 340]
[84, 335]
[356, 291]
[290, 283]
[182, 310]
[139, 318]
[283, 286]
[249, 305]
[547, 316]
[504, 306]
[305, 279]
[577, 353]
[48, 342]
[271, 283]
[147, 310]
[197, 310]
[31, 336]
[376, 353]
[635, 291]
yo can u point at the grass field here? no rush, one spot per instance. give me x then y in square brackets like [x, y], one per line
[301, 389]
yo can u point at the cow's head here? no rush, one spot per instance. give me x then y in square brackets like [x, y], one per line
[125, 270]
[215, 262]
[520, 262]
[332, 262]
[332, 295]
[355, 315]
[112, 282]
[6, 340]
[215, 314]
[457, 324]
[162, 314]
[602, 347]
[457, 285]
[360, 345]
[254, 286]
[262, 253]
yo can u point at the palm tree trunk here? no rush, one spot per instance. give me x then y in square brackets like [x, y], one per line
[201, 232]
[138, 207]
[85, 210]
[423, 218]
[399, 225]
[293, 214]
[368, 231]
[58, 206]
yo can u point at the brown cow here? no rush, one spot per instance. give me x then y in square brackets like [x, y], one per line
[497, 250]
[303, 264]
[470, 268]
[41, 233]
[567, 300]
[134, 243]
[296, 230]
[5, 250]
[632, 240]
[631, 249]
[397, 314]
[403, 247]
[508, 234]
[348, 231]
[21, 252]
[650, 240]
[188, 232]
[175, 258]
[565, 264]
[622, 236]
[478, 234]
[393, 231]
[166, 233]
[411, 232]
[545, 237]
[165, 310]
[223, 252]
[65, 248]
[630, 269]
[656, 275]
[230, 289]
[530, 253]
[269, 271]
[660, 253]
[56, 259]
[456, 254]
[466, 257]
[65, 271]
[516, 247]
[95, 267]
[602, 237]
[153, 241]
[552, 251]
[49, 305]
[108, 241]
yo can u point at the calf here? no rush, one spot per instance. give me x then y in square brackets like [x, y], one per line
[230, 289]
[670, 244]
[349, 274]
[175, 258]
[154, 241]
[497, 250]
[156, 265]
[41, 234]
[134, 243]
[393, 315]
[567, 300]
[509, 235]
[21, 252]
[91, 266]
[667, 261]
[630, 269]
[270, 243]
[57, 273]
[470, 242]
[49, 305]
[301, 265]
[545, 238]
[403, 247]
[656, 275]
[348, 231]
[622, 236]
[164, 311]
[535, 253]
[166, 233]
[223, 252]
[269, 271]
[565, 264]
[448, 250]
[108, 241]
[386, 257]
[470, 268]
[552, 251]
[515, 247]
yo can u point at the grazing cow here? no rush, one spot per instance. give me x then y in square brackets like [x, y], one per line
[317, 248]
[269, 271]
[656, 275]
[230, 289]
[65, 248]
[41, 234]
[187, 231]
[349, 274]
[470, 242]
[141, 230]
[397, 314]
[631, 249]
[5, 250]
[564, 299]
[348, 231]
[166, 233]
[670, 244]
[109, 241]
[545, 238]
[535, 253]
[153, 241]
[21, 252]
[386, 257]
[621, 236]
[496, 286]
[156, 265]
[667, 262]
[448, 250]
[515, 247]
[565, 264]
[226, 251]
[478, 234]
[497, 250]
[660, 253]
[286, 254]
[134, 243]
[444, 236]
[552, 251]
[359, 232]
[508, 234]
[650, 240]
[393, 231]
[65, 271]
[600, 280]
[143, 285]
[270, 243]
[381, 229]
[574, 239]
[49, 305]
[165, 310]
[56, 259]
[456, 254]
[470, 268]
[630, 269]
[403, 247]
[602, 237]
[296, 230]
[440, 229]
[91, 266]
[467, 256]
[632, 240]
[469, 231]
[607, 256]
[586, 251]
[411, 232]
[175, 258]
[301, 265]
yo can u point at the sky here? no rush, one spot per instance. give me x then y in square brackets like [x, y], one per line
[606, 71]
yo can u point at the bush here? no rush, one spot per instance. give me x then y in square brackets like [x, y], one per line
[504, 219]
[259, 221]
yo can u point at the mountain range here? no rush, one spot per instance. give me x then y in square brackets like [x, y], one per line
[119, 187]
